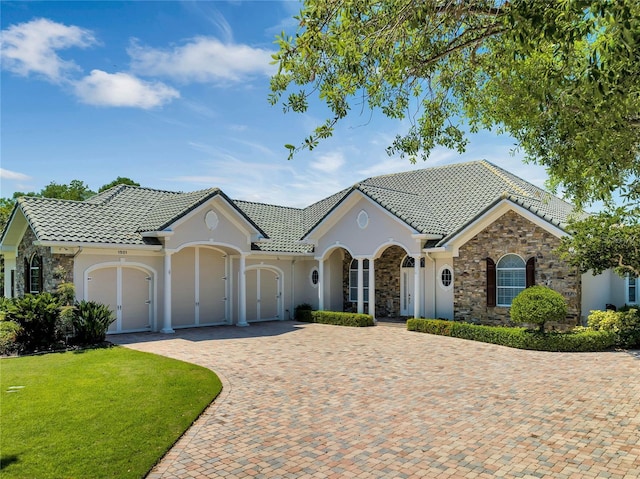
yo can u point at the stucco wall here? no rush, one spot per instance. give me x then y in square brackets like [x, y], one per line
[511, 233]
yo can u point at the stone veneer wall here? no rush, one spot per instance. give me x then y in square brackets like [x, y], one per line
[511, 233]
[56, 268]
[387, 274]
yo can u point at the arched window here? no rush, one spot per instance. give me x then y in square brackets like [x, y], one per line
[33, 275]
[353, 280]
[511, 278]
[410, 261]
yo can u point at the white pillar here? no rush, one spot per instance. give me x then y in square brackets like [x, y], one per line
[242, 293]
[9, 266]
[360, 285]
[320, 284]
[372, 289]
[166, 327]
[416, 287]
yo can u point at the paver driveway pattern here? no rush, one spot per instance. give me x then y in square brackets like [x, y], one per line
[318, 401]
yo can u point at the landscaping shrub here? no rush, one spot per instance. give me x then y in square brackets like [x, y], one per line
[341, 319]
[91, 321]
[303, 312]
[624, 324]
[8, 333]
[537, 305]
[38, 318]
[579, 340]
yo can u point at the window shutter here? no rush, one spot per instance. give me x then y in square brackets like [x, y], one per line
[491, 282]
[531, 272]
[27, 277]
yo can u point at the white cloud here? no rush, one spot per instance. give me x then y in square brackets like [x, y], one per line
[201, 60]
[123, 90]
[329, 162]
[13, 175]
[31, 48]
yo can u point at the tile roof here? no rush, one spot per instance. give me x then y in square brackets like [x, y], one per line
[439, 200]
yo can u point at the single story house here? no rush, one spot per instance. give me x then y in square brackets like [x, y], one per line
[456, 242]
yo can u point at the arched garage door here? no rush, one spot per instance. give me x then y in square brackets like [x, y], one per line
[128, 291]
[264, 294]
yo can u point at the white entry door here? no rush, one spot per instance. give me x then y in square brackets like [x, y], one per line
[407, 283]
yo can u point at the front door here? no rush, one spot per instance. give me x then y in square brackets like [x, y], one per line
[406, 291]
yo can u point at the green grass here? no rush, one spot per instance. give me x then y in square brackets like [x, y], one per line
[96, 414]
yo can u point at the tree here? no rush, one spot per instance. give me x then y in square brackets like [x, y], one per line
[6, 207]
[561, 77]
[76, 190]
[606, 240]
[120, 180]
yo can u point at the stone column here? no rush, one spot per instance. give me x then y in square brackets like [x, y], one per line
[166, 327]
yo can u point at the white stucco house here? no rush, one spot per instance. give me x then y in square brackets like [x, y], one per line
[455, 242]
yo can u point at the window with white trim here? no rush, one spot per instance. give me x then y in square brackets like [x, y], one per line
[511, 278]
[353, 280]
[632, 290]
[314, 277]
[446, 277]
[35, 276]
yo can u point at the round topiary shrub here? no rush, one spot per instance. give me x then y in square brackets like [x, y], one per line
[537, 305]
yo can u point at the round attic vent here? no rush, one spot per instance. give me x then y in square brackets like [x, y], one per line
[363, 219]
[211, 220]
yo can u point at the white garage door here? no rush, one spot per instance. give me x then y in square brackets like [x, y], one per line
[128, 293]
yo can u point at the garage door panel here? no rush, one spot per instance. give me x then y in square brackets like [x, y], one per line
[212, 285]
[183, 286]
[252, 294]
[103, 288]
[268, 294]
[136, 300]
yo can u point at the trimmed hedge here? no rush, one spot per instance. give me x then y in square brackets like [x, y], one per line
[339, 318]
[580, 340]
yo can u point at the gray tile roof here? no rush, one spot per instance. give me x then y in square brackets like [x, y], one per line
[443, 200]
[439, 200]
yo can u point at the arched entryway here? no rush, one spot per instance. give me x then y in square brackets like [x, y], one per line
[408, 283]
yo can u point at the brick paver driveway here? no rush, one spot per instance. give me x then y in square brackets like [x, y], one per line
[317, 401]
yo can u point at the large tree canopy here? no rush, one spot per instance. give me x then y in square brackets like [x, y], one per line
[603, 241]
[562, 77]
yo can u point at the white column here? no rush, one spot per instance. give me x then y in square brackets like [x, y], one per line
[372, 289]
[416, 287]
[166, 328]
[321, 284]
[242, 293]
[360, 285]
[9, 266]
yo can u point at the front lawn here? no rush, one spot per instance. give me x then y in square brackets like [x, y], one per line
[96, 413]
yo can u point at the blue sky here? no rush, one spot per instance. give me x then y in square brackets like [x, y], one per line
[174, 96]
